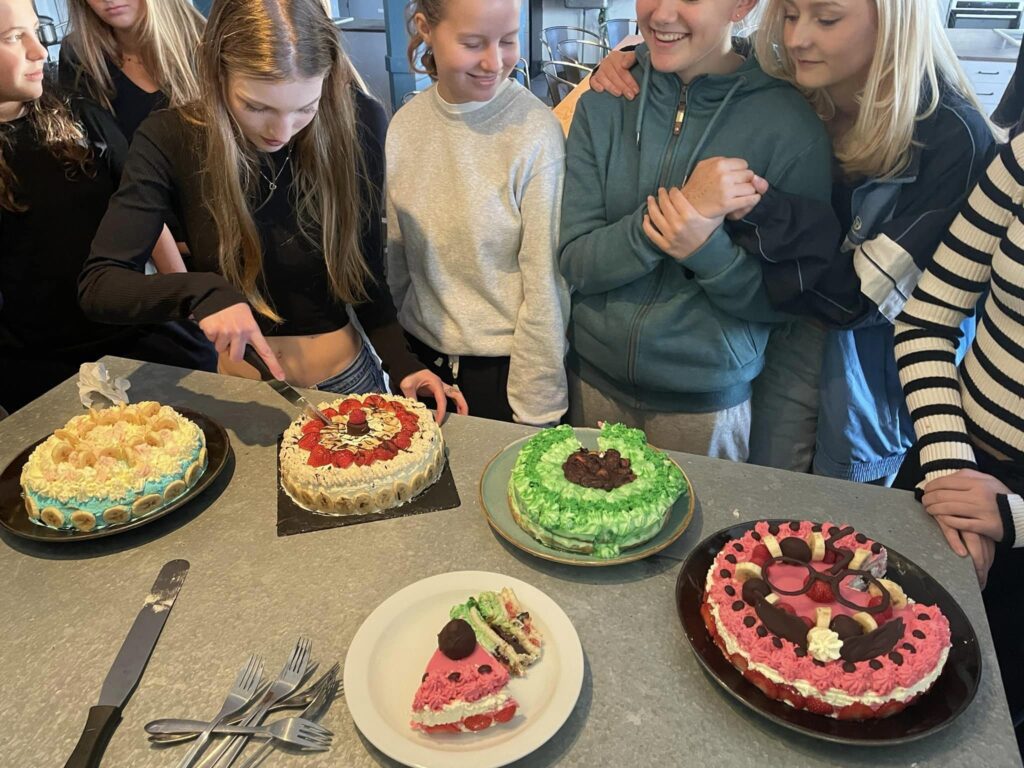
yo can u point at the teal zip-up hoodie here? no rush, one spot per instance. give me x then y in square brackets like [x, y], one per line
[647, 330]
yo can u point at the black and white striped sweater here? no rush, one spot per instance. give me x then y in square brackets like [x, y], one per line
[982, 404]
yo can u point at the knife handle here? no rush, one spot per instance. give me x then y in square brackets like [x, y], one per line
[99, 727]
[252, 357]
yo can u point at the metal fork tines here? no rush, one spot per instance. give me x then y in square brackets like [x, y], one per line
[159, 734]
[293, 730]
[286, 682]
[242, 692]
[316, 709]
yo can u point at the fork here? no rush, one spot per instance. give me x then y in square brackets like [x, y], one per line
[293, 730]
[285, 684]
[297, 700]
[316, 709]
[242, 692]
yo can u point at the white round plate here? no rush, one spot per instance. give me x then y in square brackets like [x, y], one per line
[391, 649]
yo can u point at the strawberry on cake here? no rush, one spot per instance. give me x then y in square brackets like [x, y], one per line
[378, 452]
[804, 612]
[463, 688]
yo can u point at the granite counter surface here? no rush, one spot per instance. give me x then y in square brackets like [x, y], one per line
[66, 609]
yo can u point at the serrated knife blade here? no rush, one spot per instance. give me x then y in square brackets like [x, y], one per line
[128, 666]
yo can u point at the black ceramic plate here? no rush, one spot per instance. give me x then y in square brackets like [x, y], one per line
[942, 704]
[12, 508]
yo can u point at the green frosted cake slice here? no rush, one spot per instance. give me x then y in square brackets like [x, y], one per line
[593, 502]
[502, 627]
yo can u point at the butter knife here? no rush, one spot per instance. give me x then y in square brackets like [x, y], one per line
[128, 667]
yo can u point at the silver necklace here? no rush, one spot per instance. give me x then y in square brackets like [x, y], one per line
[273, 181]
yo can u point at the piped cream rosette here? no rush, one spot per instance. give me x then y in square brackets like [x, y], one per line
[108, 467]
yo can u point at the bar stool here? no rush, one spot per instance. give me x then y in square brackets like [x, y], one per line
[562, 77]
[550, 37]
[614, 31]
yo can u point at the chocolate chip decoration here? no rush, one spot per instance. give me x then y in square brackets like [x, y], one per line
[738, 547]
[909, 647]
[896, 658]
[762, 632]
[876, 548]
[799, 652]
[730, 590]
[875, 664]
[918, 634]
[424, 678]
[731, 559]
[484, 669]
[923, 617]
[749, 621]
[739, 605]
[455, 677]
[725, 573]
[794, 526]
[773, 529]
[755, 535]
[590, 469]
[777, 642]
[849, 666]
[860, 538]
[456, 640]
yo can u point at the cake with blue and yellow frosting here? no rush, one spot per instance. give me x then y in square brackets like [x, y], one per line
[595, 502]
[109, 466]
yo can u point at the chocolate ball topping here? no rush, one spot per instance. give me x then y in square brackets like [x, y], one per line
[795, 548]
[456, 640]
[606, 471]
[755, 590]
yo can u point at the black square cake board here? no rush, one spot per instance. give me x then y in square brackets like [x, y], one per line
[293, 519]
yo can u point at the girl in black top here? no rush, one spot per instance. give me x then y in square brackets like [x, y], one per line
[132, 56]
[276, 176]
[58, 168]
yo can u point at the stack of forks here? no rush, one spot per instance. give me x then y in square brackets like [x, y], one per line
[247, 704]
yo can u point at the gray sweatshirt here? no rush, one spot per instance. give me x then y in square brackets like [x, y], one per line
[473, 199]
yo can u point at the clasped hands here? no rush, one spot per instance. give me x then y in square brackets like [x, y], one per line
[965, 507]
[680, 220]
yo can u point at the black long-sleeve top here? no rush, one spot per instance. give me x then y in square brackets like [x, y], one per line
[164, 175]
[130, 104]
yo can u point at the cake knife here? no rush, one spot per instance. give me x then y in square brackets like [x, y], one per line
[128, 667]
[283, 388]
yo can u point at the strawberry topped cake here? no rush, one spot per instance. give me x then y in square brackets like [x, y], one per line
[378, 452]
[463, 688]
[805, 612]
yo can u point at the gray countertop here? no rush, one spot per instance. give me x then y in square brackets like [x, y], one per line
[982, 45]
[67, 608]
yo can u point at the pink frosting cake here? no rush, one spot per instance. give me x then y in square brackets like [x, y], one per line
[804, 612]
[462, 694]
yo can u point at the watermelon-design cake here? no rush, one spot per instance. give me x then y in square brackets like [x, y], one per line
[594, 502]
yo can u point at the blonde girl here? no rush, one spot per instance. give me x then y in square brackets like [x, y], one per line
[276, 173]
[474, 180]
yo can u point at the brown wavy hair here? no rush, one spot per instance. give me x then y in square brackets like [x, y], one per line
[421, 58]
[279, 40]
[59, 133]
[168, 33]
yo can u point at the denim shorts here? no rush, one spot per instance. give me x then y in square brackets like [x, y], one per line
[362, 377]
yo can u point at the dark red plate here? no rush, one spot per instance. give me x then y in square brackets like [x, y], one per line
[942, 704]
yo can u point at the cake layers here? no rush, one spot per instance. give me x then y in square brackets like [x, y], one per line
[566, 515]
[810, 675]
[341, 470]
[462, 695]
[110, 466]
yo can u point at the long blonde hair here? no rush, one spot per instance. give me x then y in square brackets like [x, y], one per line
[168, 32]
[912, 57]
[282, 40]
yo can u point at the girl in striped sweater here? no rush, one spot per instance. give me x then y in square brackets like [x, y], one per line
[970, 422]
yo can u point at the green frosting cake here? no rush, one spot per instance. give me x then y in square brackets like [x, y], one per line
[595, 503]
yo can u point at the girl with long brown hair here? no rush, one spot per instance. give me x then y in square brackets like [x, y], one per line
[59, 165]
[276, 173]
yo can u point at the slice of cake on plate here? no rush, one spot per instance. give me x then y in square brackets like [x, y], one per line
[502, 627]
[463, 688]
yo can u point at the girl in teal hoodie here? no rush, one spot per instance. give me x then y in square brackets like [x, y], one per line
[669, 317]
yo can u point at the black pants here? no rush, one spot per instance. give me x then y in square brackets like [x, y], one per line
[482, 380]
[1004, 591]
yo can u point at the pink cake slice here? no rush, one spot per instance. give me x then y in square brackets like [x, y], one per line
[462, 694]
